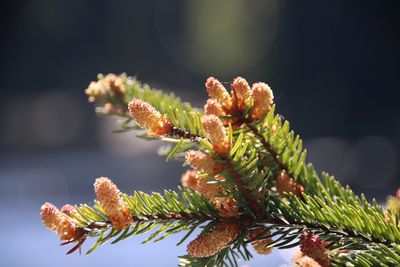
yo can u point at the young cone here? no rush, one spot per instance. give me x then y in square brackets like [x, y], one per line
[263, 99]
[190, 180]
[226, 207]
[217, 134]
[112, 203]
[115, 83]
[212, 107]
[105, 89]
[209, 244]
[59, 223]
[148, 117]
[285, 184]
[242, 93]
[202, 162]
[218, 92]
[311, 246]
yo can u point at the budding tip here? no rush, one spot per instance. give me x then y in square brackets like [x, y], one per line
[111, 201]
[211, 81]
[242, 93]
[102, 181]
[210, 243]
[217, 91]
[217, 134]
[148, 117]
[48, 208]
[135, 106]
[265, 89]
[312, 246]
[240, 81]
[212, 107]
[57, 222]
[106, 89]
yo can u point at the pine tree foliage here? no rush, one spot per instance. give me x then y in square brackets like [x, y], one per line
[181, 114]
[259, 180]
[170, 213]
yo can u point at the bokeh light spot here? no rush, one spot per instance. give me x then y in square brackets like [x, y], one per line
[219, 37]
[55, 119]
[377, 162]
[334, 156]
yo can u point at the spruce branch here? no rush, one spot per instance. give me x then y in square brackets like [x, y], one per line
[250, 185]
[184, 119]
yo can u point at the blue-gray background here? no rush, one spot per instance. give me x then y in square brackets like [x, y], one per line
[333, 65]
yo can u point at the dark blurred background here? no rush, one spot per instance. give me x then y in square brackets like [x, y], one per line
[333, 66]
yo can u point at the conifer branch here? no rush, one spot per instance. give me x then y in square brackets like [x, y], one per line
[250, 185]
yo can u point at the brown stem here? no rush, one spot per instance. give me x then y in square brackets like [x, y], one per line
[184, 134]
[171, 217]
[154, 218]
[268, 147]
[244, 190]
[318, 227]
[243, 220]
